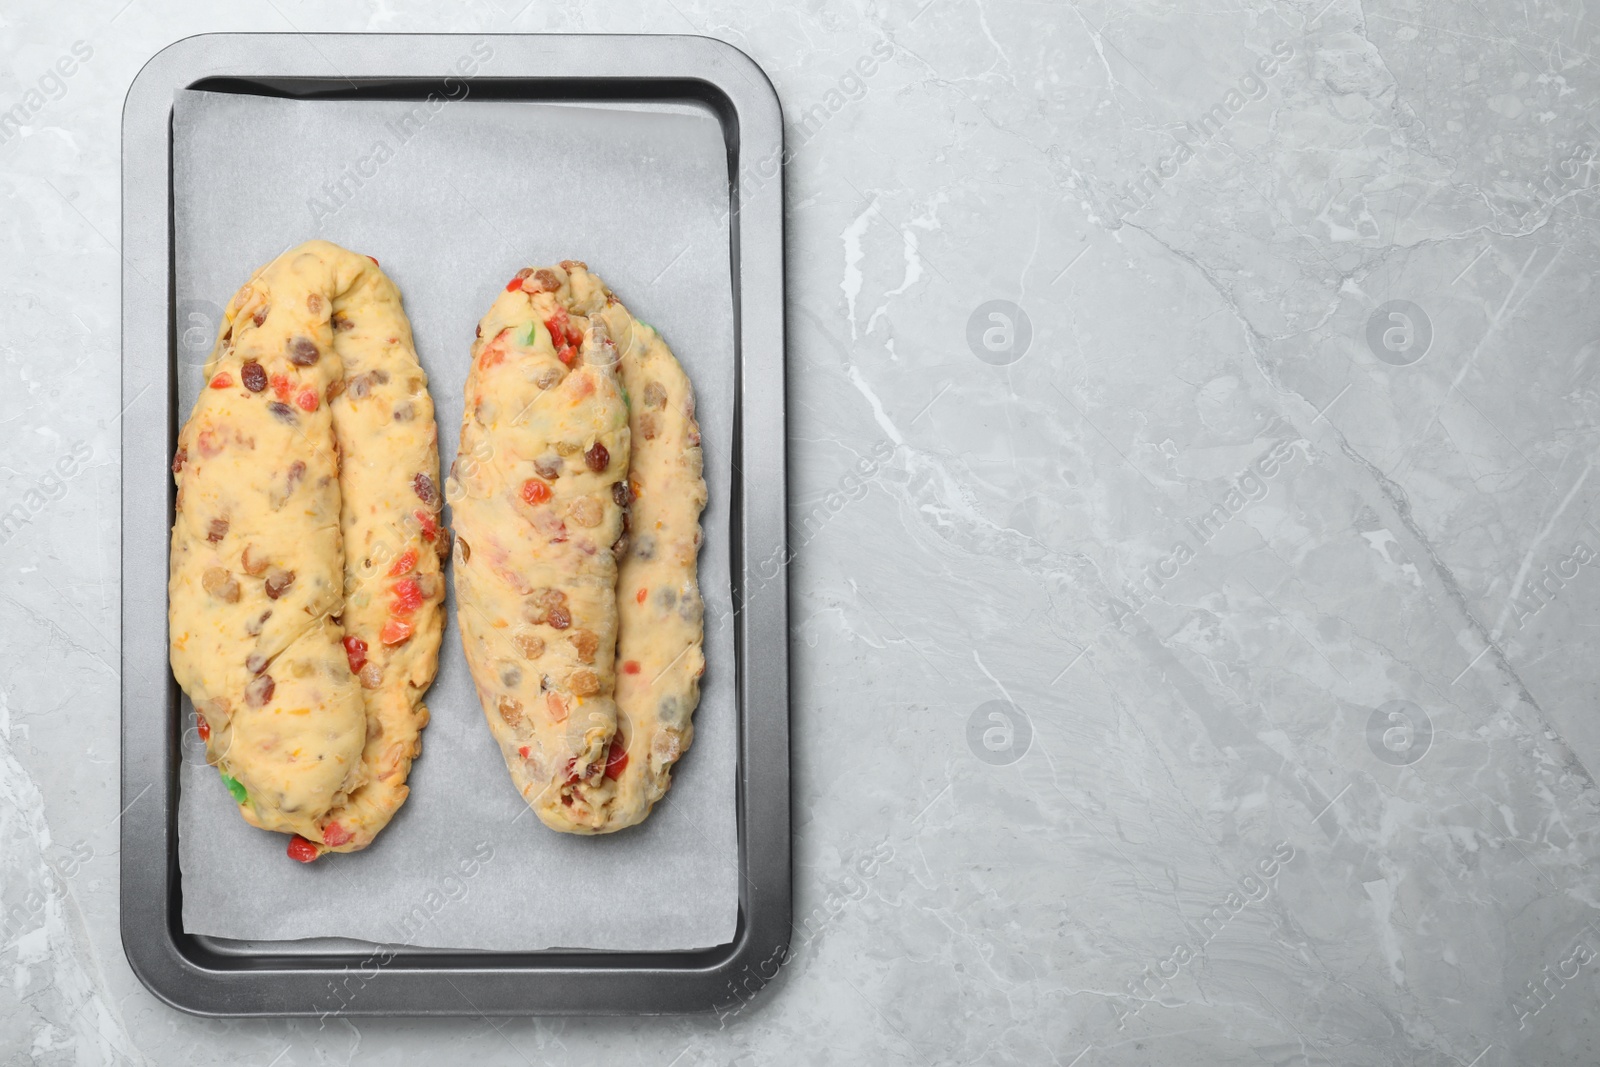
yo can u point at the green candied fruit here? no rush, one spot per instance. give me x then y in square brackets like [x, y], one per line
[528, 336]
[236, 787]
[627, 401]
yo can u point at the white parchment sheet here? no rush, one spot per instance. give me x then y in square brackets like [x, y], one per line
[453, 201]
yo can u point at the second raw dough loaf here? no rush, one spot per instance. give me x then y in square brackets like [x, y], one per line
[538, 493]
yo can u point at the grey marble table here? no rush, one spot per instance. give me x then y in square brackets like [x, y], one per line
[1192, 419]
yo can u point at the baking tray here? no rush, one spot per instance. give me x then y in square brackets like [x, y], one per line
[216, 977]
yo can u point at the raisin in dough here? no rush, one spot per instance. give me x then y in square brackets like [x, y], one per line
[538, 495]
[660, 614]
[385, 454]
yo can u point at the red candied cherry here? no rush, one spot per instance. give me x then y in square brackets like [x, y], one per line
[430, 528]
[395, 632]
[407, 596]
[616, 758]
[355, 651]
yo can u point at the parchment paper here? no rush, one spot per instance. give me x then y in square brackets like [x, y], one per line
[453, 202]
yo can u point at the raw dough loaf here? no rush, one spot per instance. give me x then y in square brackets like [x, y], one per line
[606, 771]
[259, 570]
[538, 493]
